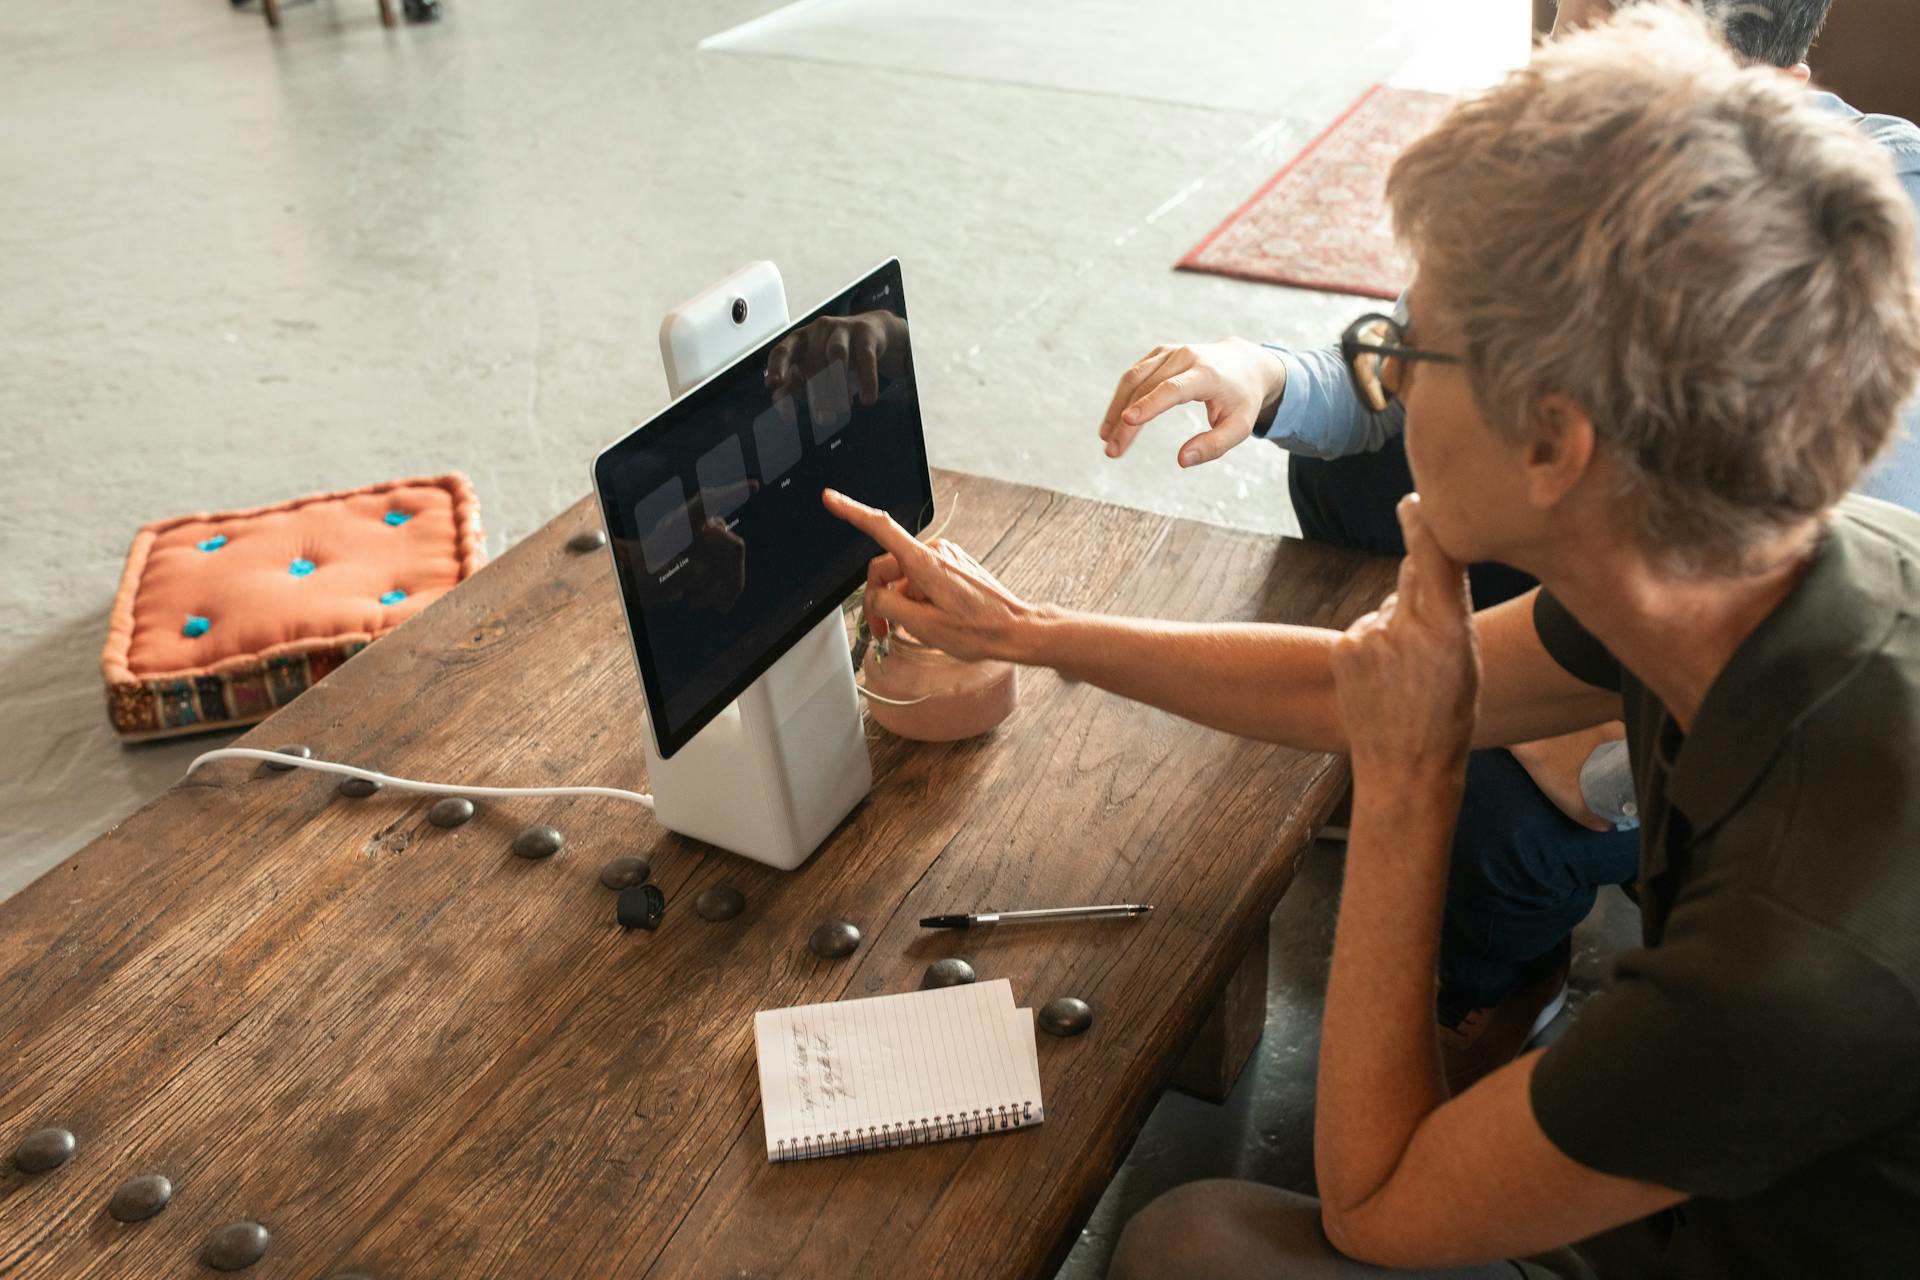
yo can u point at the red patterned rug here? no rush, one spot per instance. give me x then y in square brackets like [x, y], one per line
[1322, 222]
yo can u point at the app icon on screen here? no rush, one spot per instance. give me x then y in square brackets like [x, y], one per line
[776, 438]
[665, 531]
[723, 478]
[828, 403]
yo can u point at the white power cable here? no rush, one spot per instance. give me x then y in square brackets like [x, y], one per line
[407, 784]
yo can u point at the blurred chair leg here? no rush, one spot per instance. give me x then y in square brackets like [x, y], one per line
[272, 9]
[386, 13]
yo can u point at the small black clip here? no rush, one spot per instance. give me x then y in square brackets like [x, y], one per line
[641, 907]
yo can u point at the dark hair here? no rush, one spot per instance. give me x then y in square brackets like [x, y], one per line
[1779, 32]
[1775, 31]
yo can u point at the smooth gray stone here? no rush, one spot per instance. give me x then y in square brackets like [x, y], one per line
[538, 842]
[721, 902]
[952, 972]
[236, 1246]
[1065, 1016]
[43, 1150]
[141, 1198]
[641, 907]
[304, 753]
[587, 540]
[450, 811]
[834, 940]
[358, 788]
[624, 873]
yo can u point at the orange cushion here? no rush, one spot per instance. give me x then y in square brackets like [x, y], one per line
[212, 605]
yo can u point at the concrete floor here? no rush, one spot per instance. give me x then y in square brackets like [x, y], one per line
[239, 267]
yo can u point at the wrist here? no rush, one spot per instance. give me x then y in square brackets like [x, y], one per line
[1276, 389]
[1411, 782]
[1412, 818]
[1033, 637]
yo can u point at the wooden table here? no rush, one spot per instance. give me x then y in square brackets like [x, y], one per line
[410, 1054]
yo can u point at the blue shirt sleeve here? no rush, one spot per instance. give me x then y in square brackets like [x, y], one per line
[1896, 477]
[1606, 784]
[1321, 415]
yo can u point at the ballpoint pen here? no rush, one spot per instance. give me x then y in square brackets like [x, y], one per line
[1112, 909]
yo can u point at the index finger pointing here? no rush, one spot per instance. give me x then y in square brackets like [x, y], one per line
[879, 526]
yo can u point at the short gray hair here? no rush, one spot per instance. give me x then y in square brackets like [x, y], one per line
[1720, 273]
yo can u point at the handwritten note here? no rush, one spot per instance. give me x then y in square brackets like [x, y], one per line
[920, 1067]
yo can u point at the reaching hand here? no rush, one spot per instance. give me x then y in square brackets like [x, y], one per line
[1236, 380]
[870, 344]
[938, 592]
[1408, 674]
[718, 573]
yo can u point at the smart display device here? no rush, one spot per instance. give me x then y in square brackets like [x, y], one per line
[724, 555]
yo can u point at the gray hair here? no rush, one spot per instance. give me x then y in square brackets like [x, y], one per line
[1718, 272]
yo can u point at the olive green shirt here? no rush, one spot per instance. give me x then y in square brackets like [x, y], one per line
[1761, 1052]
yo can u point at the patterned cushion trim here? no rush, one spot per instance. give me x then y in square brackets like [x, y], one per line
[246, 688]
[165, 707]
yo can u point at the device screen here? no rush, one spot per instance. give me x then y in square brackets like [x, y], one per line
[723, 550]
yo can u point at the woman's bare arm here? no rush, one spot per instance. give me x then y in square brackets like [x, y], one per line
[1264, 681]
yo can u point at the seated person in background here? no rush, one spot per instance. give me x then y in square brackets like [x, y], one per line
[1544, 825]
[1666, 314]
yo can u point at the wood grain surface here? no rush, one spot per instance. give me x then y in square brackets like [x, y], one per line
[409, 1053]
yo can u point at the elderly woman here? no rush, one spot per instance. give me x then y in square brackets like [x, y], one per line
[1665, 314]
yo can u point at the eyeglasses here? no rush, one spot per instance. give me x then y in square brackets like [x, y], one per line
[1374, 347]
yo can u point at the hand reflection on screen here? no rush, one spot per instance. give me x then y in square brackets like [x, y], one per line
[718, 572]
[873, 345]
[713, 574]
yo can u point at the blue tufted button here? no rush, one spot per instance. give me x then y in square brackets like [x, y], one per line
[214, 543]
[398, 518]
[301, 568]
[392, 597]
[196, 627]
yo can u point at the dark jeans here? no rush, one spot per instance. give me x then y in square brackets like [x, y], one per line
[1523, 873]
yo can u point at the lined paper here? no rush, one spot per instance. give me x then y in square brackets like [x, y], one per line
[919, 1067]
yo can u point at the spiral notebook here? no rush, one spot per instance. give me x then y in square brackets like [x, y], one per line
[893, 1071]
